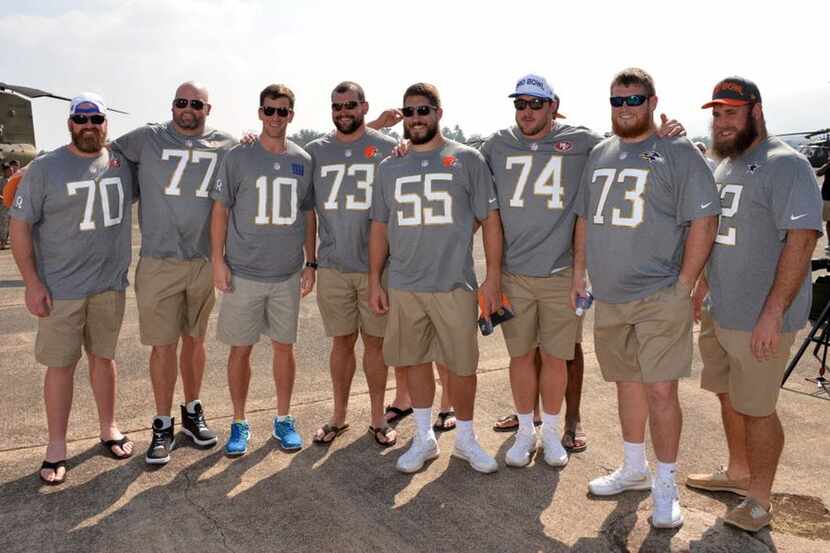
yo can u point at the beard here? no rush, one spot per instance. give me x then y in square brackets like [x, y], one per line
[528, 130]
[429, 133]
[639, 126]
[349, 124]
[742, 140]
[189, 120]
[88, 140]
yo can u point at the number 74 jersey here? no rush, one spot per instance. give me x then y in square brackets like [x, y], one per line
[638, 201]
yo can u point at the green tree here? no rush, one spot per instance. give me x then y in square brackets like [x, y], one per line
[304, 136]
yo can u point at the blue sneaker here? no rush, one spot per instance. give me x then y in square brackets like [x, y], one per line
[238, 441]
[286, 434]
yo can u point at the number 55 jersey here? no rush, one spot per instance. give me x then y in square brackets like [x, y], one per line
[638, 200]
[79, 209]
[175, 175]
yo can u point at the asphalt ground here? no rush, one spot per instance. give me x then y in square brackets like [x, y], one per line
[348, 496]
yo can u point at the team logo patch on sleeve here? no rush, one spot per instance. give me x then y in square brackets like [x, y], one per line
[370, 152]
[297, 169]
[449, 161]
[751, 168]
[563, 146]
[651, 156]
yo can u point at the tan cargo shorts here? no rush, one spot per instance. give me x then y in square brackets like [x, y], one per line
[343, 299]
[256, 308]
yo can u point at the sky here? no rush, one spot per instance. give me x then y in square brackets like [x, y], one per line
[135, 53]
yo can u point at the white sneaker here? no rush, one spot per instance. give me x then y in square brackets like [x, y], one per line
[555, 454]
[665, 512]
[421, 451]
[521, 451]
[471, 451]
[620, 481]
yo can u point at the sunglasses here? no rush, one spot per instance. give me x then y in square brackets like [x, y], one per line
[94, 119]
[337, 106]
[269, 111]
[633, 100]
[534, 104]
[182, 103]
[420, 110]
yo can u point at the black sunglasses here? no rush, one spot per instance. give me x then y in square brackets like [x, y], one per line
[182, 103]
[269, 111]
[420, 110]
[94, 119]
[337, 106]
[633, 100]
[535, 104]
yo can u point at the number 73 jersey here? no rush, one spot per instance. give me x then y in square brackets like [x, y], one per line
[638, 201]
[79, 209]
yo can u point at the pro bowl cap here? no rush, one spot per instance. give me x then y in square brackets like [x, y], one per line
[734, 91]
[533, 85]
[87, 102]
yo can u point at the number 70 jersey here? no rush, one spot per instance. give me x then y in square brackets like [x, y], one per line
[638, 201]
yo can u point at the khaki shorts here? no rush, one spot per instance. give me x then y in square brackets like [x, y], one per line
[433, 326]
[543, 315]
[825, 211]
[647, 340]
[343, 299]
[730, 368]
[256, 308]
[93, 322]
[175, 298]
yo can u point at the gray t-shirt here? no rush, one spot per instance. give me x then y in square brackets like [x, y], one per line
[81, 217]
[764, 193]
[344, 175]
[175, 173]
[266, 194]
[537, 182]
[638, 201]
[430, 202]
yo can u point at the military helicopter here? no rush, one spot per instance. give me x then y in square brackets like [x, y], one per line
[817, 147]
[17, 132]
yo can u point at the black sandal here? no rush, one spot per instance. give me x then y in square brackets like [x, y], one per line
[53, 466]
[329, 430]
[441, 424]
[109, 444]
[399, 414]
[384, 431]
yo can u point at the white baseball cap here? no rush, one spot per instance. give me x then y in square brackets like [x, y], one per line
[533, 85]
[81, 104]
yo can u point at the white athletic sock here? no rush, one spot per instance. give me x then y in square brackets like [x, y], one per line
[281, 418]
[423, 422]
[635, 457]
[465, 433]
[191, 407]
[526, 422]
[666, 471]
[166, 422]
[550, 423]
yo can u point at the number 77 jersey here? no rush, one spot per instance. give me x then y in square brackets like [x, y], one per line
[638, 200]
[536, 182]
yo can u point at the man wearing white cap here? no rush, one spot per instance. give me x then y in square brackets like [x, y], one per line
[72, 222]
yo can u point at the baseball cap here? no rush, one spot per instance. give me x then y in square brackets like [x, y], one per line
[80, 104]
[533, 85]
[734, 91]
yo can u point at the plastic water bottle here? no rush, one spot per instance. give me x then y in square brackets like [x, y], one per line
[583, 303]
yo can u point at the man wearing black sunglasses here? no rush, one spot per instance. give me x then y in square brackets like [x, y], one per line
[647, 210]
[72, 244]
[177, 163]
[425, 210]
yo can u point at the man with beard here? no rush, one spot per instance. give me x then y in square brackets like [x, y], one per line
[425, 210]
[177, 162]
[72, 223]
[537, 167]
[262, 221]
[345, 164]
[647, 212]
[770, 223]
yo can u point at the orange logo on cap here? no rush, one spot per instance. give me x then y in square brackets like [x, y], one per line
[448, 161]
[370, 152]
[735, 87]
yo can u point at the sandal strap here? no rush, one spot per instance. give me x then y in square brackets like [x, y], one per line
[53, 465]
[120, 443]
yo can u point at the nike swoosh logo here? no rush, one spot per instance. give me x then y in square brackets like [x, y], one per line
[492, 200]
[797, 217]
[704, 206]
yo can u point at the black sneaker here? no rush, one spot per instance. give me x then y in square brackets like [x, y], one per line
[162, 443]
[195, 426]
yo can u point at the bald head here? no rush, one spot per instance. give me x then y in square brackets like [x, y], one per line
[190, 108]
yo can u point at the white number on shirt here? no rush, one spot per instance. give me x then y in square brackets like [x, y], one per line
[728, 238]
[424, 215]
[262, 217]
[193, 156]
[364, 184]
[110, 220]
[548, 183]
[634, 196]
